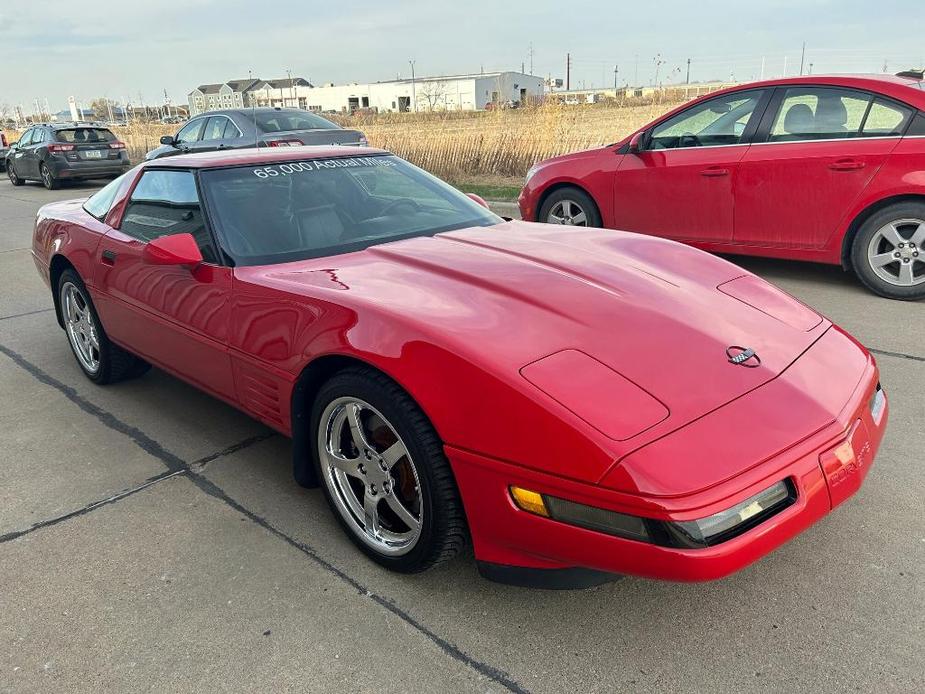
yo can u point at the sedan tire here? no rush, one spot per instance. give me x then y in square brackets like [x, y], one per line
[570, 206]
[384, 472]
[100, 360]
[11, 174]
[48, 179]
[888, 252]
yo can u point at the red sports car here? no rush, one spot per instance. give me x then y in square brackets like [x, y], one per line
[578, 403]
[827, 169]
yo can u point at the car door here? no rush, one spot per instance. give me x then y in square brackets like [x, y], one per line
[680, 185]
[212, 136]
[816, 150]
[175, 316]
[189, 135]
[21, 156]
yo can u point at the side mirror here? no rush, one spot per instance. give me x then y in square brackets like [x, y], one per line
[479, 199]
[168, 140]
[178, 249]
[636, 143]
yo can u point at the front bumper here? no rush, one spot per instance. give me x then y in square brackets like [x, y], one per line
[505, 536]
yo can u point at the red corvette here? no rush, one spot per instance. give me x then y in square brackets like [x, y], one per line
[578, 406]
[827, 169]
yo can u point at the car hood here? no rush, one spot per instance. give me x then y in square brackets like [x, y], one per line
[658, 314]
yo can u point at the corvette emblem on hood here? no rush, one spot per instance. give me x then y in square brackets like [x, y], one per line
[743, 356]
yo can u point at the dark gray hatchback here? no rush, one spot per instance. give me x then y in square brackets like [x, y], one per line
[258, 127]
[55, 152]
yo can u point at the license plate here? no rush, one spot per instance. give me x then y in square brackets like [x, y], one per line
[93, 154]
[876, 405]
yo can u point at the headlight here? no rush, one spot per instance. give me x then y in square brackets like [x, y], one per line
[733, 521]
[685, 534]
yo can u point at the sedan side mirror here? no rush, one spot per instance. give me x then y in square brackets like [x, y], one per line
[636, 143]
[178, 249]
[168, 140]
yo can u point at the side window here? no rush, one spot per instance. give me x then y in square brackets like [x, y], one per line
[215, 128]
[719, 121]
[231, 130]
[190, 132]
[101, 201]
[26, 138]
[885, 119]
[166, 203]
[819, 113]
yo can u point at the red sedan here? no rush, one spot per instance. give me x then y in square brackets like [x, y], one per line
[827, 169]
[614, 404]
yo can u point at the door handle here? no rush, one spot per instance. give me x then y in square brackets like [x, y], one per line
[108, 258]
[715, 172]
[847, 165]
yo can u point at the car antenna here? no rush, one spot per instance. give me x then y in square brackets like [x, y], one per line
[254, 118]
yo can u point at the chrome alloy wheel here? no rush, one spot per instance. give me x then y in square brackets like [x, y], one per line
[567, 212]
[370, 476]
[81, 327]
[896, 252]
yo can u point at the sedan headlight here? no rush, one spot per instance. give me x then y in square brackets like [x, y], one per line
[685, 534]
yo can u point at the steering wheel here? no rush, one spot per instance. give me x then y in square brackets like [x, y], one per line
[398, 202]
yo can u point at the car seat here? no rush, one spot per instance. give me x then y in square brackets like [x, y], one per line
[798, 122]
[831, 116]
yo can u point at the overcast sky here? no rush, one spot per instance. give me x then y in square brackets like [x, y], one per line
[52, 49]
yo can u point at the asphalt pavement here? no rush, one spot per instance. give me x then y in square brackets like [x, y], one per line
[152, 539]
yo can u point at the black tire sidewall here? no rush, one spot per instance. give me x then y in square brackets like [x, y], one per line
[11, 174]
[585, 201]
[102, 374]
[859, 260]
[51, 183]
[369, 386]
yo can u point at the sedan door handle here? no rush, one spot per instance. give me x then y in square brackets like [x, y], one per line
[847, 165]
[715, 172]
[108, 257]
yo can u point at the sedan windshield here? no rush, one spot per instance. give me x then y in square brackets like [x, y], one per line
[320, 207]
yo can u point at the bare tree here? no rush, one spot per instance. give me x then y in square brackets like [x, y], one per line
[433, 93]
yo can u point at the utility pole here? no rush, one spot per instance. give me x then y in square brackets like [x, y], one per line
[414, 101]
[761, 76]
[522, 67]
[291, 88]
[616, 70]
[568, 71]
[802, 58]
[530, 54]
[810, 69]
[688, 80]
[785, 66]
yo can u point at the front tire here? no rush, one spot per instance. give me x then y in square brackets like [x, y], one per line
[11, 174]
[100, 360]
[384, 472]
[48, 180]
[570, 206]
[888, 252]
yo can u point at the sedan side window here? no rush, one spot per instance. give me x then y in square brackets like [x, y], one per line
[819, 113]
[215, 128]
[231, 130]
[720, 121]
[190, 133]
[26, 138]
[885, 120]
[165, 203]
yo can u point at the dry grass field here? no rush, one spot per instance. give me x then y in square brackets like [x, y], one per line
[489, 147]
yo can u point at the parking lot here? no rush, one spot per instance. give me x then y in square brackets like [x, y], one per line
[152, 539]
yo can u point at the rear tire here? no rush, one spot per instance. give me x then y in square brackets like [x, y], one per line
[888, 252]
[417, 518]
[48, 180]
[100, 360]
[570, 206]
[11, 174]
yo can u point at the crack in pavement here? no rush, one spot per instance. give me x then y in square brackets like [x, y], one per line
[900, 355]
[27, 313]
[177, 467]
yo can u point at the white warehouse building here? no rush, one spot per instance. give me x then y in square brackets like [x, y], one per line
[452, 92]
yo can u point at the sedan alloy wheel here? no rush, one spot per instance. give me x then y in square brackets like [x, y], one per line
[896, 252]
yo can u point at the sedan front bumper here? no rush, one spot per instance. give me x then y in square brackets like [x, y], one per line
[509, 541]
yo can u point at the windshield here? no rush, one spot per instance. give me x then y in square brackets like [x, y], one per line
[321, 207]
[283, 121]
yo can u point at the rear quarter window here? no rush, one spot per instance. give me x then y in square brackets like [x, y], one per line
[84, 135]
